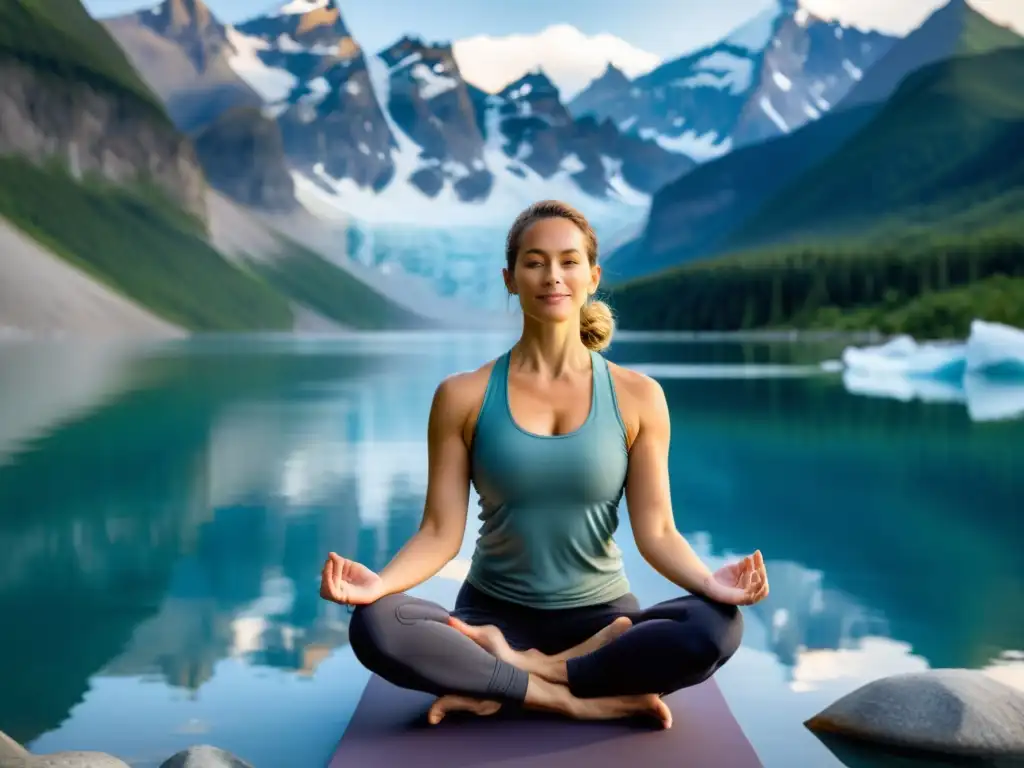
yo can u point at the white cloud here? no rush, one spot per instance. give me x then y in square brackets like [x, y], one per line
[567, 56]
[901, 16]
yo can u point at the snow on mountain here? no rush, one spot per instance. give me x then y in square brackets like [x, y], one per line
[400, 136]
[570, 58]
[769, 76]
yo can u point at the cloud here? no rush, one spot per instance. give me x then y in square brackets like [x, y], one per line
[902, 16]
[567, 56]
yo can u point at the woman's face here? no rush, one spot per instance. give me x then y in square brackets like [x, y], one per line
[552, 275]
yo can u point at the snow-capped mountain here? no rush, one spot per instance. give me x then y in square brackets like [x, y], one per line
[398, 135]
[769, 76]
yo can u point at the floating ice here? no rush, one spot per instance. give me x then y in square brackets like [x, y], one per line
[992, 349]
[985, 373]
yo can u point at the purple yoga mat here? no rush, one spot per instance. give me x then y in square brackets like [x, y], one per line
[389, 729]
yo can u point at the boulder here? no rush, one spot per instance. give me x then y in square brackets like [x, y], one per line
[62, 760]
[204, 756]
[942, 711]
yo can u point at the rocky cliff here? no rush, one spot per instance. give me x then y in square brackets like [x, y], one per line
[102, 123]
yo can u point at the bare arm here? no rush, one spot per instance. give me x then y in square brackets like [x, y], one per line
[649, 499]
[444, 517]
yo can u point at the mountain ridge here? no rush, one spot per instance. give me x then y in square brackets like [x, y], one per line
[911, 225]
[695, 216]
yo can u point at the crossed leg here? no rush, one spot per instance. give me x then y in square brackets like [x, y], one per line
[619, 671]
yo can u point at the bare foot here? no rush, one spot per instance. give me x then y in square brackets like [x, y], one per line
[599, 640]
[551, 668]
[552, 697]
[453, 703]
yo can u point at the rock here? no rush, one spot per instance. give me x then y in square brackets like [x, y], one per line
[945, 711]
[63, 760]
[9, 749]
[13, 755]
[204, 756]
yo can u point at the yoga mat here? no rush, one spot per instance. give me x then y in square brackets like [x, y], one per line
[389, 728]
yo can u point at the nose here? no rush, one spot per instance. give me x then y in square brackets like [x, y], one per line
[553, 274]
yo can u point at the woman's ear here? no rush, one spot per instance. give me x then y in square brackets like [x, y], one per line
[510, 283]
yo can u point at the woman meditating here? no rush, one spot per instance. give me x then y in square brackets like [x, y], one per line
[551, 436]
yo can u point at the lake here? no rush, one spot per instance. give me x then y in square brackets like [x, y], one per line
[165, 511]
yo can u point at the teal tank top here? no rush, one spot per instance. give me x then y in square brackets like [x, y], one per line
[549, 505]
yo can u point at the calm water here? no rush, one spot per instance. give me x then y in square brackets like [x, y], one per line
[164, 513]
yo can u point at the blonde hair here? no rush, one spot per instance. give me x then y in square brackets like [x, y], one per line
[596, 321]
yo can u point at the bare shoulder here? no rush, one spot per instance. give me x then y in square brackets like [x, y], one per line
[459, 396]
[641, 399]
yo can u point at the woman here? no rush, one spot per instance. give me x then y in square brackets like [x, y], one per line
[551, 435]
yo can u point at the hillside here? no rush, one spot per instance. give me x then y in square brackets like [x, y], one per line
[774, 73]
[58, 37]
[695, 216]
[947, 142]
[955, 29]
[93, 171]
[914, 222]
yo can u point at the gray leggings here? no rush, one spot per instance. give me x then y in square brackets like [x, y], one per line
[671, 645]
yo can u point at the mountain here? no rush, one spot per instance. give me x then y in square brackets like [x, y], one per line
[778, 71]
[694, 216]
[955, 29]
[107, 222]
[183, 53]
[396, 135]
[68, 91]
[912, 225]
[947, 142]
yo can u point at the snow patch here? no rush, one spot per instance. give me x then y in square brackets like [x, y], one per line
[272, 84]
[721, 69]
[783, 82]
[432, 84]
[766, 106]
[852, 70]
[699, 147]
[300, 6]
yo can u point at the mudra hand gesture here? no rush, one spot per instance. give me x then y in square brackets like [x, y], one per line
[741, 583]
[348, 582]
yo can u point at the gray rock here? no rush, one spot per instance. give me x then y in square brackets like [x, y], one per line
[64, 760]
[204, 756]
[945, 711]
[13, 755]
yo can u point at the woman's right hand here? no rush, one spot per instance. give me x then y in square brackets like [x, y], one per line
[348, 582]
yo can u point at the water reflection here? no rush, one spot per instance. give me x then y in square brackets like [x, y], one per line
[164, 546]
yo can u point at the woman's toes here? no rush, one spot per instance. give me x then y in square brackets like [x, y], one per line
[453, 703]
[661, 711]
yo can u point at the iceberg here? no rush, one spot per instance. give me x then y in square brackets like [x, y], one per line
[992, 349]
[985, 373]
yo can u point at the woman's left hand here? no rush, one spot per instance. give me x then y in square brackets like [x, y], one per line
[741, 583]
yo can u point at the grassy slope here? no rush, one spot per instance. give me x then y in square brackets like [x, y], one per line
[889, 232]
[134, 240]
[140, 245]
[59, 37]
[947, 141]
[313, 281]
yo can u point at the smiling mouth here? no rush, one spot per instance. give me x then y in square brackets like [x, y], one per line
[553, 296]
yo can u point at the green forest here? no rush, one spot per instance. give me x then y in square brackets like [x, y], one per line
[915, 224]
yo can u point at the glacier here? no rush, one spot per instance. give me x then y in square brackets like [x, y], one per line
[985, 372]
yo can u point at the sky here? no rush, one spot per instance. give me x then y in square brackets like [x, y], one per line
[575, 47]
